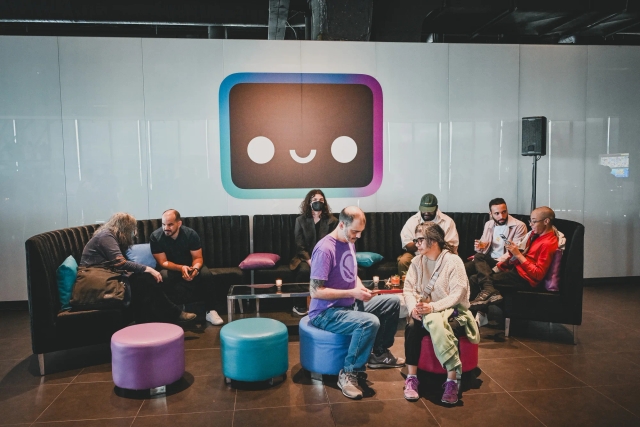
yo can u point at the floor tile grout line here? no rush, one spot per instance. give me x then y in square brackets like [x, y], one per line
[424, 403]
[526, 409]
[136, 415]
[551, 361]
[52, 402]
[513, 397]
[599, 392]
[181, 413]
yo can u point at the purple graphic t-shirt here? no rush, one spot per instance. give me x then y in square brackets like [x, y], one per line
[334, 262]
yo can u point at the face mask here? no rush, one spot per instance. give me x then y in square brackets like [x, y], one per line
[317, 206]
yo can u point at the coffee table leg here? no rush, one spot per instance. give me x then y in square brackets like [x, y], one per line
[257, 306]
[230, 307]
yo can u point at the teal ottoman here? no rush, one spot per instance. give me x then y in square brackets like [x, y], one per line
[254, 350]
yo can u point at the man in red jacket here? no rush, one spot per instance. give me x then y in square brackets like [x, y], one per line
[529, 262]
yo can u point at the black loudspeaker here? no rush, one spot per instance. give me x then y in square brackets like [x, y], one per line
[534, 136]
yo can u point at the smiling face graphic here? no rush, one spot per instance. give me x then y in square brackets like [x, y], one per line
[297, 135]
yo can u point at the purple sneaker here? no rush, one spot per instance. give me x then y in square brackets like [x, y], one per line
[411, 389]
[450, 395]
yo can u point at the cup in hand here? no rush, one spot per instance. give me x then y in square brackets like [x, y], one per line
[481, 245]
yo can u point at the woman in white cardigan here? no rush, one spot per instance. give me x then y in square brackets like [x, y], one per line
[436, 291]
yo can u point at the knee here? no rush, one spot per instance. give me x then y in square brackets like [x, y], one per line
[479, 257]
[432, 320]
[370, 322]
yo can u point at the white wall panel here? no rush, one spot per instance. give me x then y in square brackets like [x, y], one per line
[612, 205]
[416, 115]
[553, 83]
[32, 190]
[181, 84]
[103, 127]
[483, 111]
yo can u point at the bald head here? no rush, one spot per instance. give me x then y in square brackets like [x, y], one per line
[542, 219]
[350, 213]
[546, 212]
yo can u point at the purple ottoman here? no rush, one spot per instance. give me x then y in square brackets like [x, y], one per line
[147, 356]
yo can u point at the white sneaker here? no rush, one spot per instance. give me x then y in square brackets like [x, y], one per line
[481, 319]
[213, 318]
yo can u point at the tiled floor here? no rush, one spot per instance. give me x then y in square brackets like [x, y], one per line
[534, 378]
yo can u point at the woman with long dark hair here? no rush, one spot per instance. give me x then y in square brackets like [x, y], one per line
[106, 248]
[315, 222]
[436, 291]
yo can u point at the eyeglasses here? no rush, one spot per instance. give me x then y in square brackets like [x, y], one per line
[535, 221]
[418, 241]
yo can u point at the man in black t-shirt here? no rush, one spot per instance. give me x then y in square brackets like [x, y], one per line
[178, 252]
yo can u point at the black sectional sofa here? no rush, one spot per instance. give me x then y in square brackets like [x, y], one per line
[275, 234]
[225, 241]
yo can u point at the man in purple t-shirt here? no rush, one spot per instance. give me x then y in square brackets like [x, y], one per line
[334, 289]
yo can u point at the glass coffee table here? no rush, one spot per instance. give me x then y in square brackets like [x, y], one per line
[288, 290]
[258, 292]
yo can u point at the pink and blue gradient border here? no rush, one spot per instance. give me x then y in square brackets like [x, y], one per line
[286, 193]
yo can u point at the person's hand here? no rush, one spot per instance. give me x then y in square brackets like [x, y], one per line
[309, 262]
[186, 273]
[156, 274]
[415, 315]
[476, 246]
[422, 308]
[512, 248]
[362, 293]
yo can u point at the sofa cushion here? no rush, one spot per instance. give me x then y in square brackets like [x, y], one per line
[66, 277]
[552, 279]
[367, 259]
[142, 255]
[259, 260]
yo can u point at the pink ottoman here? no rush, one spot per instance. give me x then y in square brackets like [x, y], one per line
[429, 362]
[147, 356]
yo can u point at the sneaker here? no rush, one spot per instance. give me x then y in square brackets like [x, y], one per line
[481, 319]
[300, 311]
[495, 298]
[213, 318]
[186, 317]
[348, 383]
[483, 296]
[411, 389]
[450, 395]
[385, 360]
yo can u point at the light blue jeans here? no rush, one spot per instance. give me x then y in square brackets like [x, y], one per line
[372, 325]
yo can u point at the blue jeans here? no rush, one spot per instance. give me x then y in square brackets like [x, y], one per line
[372, 326]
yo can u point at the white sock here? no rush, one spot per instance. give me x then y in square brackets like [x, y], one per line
[449, 379]
[411, 376]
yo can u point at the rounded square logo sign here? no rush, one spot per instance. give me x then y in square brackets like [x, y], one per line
[282, 134]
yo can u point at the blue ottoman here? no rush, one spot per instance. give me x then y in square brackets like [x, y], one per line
[322, 352]
[254, 350]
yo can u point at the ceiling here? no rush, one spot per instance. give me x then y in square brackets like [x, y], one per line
[600, 22]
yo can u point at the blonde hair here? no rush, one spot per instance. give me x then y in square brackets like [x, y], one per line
[123, 226]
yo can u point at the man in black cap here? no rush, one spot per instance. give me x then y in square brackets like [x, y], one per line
[428, 211]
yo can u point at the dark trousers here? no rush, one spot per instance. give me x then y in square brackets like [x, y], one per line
[504, 281]
[149, 301]
[413, 334]
[201, 288]
[482, 268]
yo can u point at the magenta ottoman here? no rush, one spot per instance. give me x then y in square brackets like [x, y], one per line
[429, 362]
[147, 356]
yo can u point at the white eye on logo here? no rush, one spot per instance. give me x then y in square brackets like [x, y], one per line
[261, 150]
